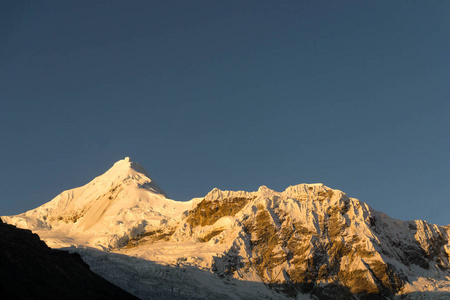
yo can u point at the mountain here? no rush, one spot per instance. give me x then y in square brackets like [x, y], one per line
[307, 241]
[106, 212]
[31, 270]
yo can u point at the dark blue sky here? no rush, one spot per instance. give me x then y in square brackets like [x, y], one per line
[229, 94]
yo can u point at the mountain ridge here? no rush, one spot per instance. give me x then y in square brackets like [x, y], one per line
[307, 240]
[106, 210]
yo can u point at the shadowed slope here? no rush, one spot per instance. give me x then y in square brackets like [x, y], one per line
[31, 270]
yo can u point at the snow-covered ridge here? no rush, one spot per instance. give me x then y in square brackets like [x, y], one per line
[299, 191]
[126, 170]
[307, 236]
[106, 212]
[308, 239]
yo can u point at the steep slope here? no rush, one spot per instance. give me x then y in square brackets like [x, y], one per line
[307, 239]
[31, 270]
[106, 212]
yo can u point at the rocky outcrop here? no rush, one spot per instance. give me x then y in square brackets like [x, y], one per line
[209, 212]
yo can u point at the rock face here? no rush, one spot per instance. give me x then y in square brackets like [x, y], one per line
[307, 240]
[312, 239]
[311, 236]
[31, 270]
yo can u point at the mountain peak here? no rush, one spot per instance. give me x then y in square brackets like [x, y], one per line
[125, 169]
[98, 207]
[128, 163]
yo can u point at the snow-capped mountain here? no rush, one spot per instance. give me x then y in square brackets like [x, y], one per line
[307, 241]
[106, 212]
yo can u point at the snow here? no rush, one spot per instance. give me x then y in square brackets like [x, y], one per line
[150, 280]
[98, 219]
[106, 212]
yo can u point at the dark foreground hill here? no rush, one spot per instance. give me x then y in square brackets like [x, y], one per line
[31, 270]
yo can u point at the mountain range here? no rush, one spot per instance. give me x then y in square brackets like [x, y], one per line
[306, 242]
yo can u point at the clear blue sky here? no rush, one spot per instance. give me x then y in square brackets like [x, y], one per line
[229, 94]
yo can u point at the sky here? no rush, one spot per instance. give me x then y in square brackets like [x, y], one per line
[229, 94]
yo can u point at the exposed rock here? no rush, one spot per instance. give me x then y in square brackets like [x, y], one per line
[312, 239]
[208, 212]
